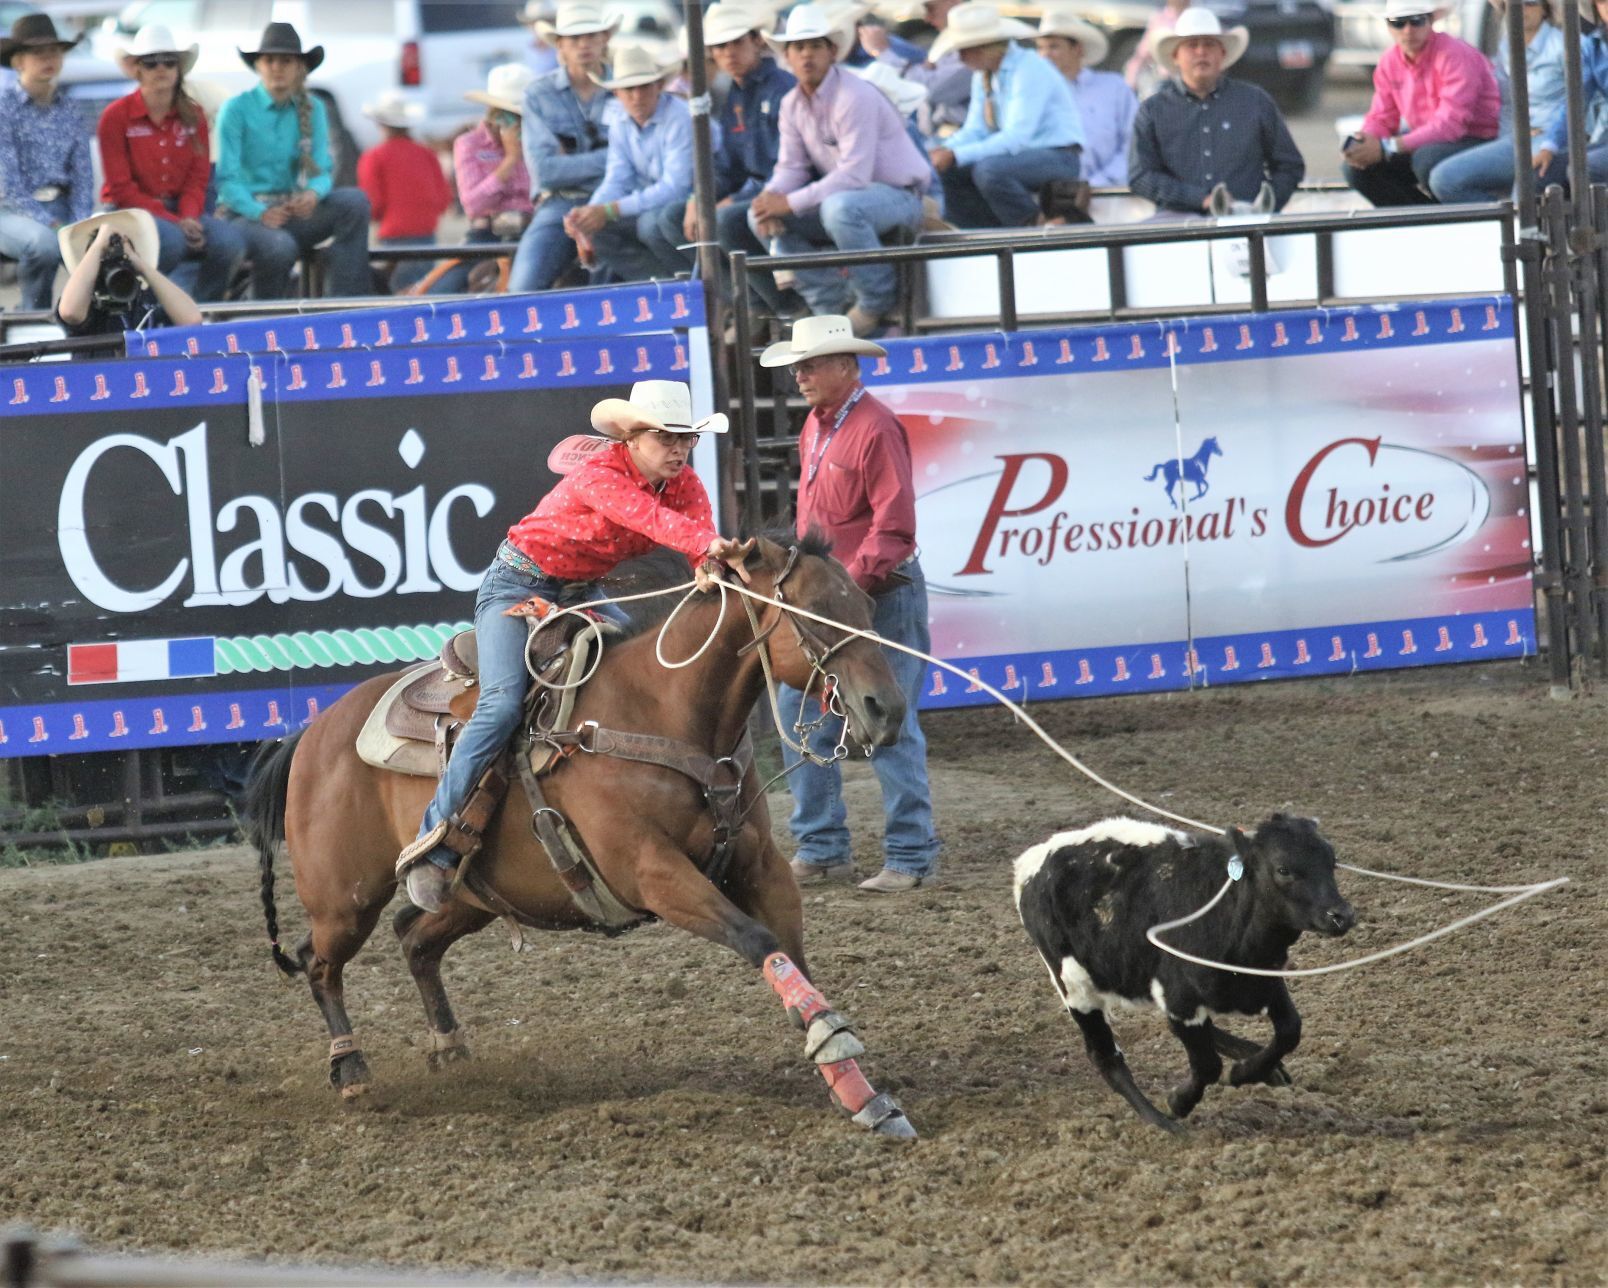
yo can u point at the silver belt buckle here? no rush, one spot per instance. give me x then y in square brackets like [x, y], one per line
[48, 193]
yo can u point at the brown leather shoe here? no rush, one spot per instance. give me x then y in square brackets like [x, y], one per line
[822, 873]
[890, 882]
[864, 323]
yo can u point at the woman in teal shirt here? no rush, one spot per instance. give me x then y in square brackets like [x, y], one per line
[275, 175]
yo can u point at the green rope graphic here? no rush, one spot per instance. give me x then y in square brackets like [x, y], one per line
[309, 650]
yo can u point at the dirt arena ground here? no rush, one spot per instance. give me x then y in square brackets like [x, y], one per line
[641, 1110]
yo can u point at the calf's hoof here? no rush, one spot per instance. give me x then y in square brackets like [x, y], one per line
[1181, 1102]
[1244, 1073]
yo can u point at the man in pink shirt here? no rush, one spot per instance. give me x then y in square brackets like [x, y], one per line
[856, 488]
[847, 172]
[1439, 90]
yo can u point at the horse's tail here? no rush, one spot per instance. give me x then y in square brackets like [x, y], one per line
[263, 812]
[1151, 477]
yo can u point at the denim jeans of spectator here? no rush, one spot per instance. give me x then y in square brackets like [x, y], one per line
[1403, 179]
[408, 271]
[733, 233]
[854, 220]
[1480, 173]
[214, 264]
[342, 216]
[1558, 172]
[633, 248]
[545, 249]
[503, 681]
[1002, 191]
[455, 281]
[38, 256]
[819, 819]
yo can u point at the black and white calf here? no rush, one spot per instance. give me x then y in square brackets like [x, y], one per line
[1087, 898]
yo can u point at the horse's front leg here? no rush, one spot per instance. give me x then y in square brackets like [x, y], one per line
[669, 886]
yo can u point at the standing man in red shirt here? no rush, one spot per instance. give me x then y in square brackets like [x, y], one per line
[402, 178]
[155, 156]
[856, 486]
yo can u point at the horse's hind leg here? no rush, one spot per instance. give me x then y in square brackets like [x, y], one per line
[324, 956]
[425, 937]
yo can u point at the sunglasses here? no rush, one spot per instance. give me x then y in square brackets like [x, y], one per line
[667, 438]
[1415, 20]
[153, 61]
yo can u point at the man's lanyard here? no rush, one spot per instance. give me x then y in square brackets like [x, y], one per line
[837, 424]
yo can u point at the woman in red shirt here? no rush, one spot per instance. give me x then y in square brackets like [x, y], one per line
[628, 498]
[154, 152]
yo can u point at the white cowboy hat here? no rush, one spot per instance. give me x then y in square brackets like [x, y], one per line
[818, 337]
[1200, 21]
[906, 96]
[1063, 22]
[137, 227]
[579, 19]
[537, 11]
[813, 22]
[731, 20]
[633, 65]
[505, 88]
[654, 404]
[157, 39]
[396, 109]
[1410, 8]
[973, 24]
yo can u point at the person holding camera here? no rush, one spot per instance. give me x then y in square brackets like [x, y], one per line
[113, 284]
[156, 157]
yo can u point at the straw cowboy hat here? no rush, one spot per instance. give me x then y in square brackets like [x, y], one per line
[396, 109]
[579, 19]
[819, 337]
[282, 38]
[654, 404]
[505, 88]
[973, 24]
[632, 66]
[157, 39]
[813, 22]
[1410, 8]
[32, 31]
[537, 11]
[1199, 21]
[1063, 22]
[906, 96]
[137, 227]
[731, 20]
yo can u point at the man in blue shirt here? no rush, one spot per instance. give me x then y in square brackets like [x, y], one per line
[1552, 148]
[750, 137]
[1022, 127]
[565, 140]
[1106, 105]
[649, 168]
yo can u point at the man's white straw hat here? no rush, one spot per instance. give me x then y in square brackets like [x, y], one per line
[1197, 21]
[137, 227]
[819, 337]
[654, 404]
[505, 88]
[973, 24]
[578, 19]
[632, 65]
[1063, 22]
[157, 39]
[813, 22]
[1410, 8]
[731, 20]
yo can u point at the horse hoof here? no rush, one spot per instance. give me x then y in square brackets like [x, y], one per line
[439, 1060]
[898, 1127]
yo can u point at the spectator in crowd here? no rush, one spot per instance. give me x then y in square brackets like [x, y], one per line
[46, 178]
[402, 179]
[1106, 105]
[649, 169]
[750, 136]
[856, 486]
[113, 284]
[1022, 128]
[1202, 128]
[874, 43]
[489, 164]
[540, 56]
[1485, 172]
[1434, 96]
[275, 176]
[1144, 71]
[1552, 155]
[156, 157]
[847, 173]
[565, 140]
[947, 80]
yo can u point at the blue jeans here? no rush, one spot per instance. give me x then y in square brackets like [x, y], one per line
[545, 249]
[408, 271]
[1002, 191]
[819, 819]
[1558, 171]
[503, 681]
[455, 281]
[343, 215]
[215, 262]
[37, 253]
[1481, 173]
[634, 248]
[1402, 179]
[854, 220]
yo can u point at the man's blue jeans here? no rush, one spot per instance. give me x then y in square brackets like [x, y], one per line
[1480, 173]
[854, 220]
[1002, 191]
[819, 819]
[545, 249]
[37, 253]
[634, 248]
[215, 262]
[503, 681]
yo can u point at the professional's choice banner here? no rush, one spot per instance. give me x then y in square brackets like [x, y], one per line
[212, 549]
[1162, 505]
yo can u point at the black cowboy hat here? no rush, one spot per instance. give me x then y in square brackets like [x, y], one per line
[282, 38]
[32, 31]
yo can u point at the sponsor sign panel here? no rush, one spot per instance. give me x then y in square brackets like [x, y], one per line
[1157, 506]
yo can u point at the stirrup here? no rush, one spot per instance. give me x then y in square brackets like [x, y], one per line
[419, 848]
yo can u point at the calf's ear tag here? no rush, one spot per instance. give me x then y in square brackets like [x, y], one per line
[1236, 868]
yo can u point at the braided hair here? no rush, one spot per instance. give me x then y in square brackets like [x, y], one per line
[306, 166]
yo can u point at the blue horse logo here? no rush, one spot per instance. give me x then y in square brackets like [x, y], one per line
[1190, 470]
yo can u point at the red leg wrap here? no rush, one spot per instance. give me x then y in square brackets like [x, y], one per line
[847, 1084]
[797, 993]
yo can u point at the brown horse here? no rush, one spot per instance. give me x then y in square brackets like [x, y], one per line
[646, 827]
